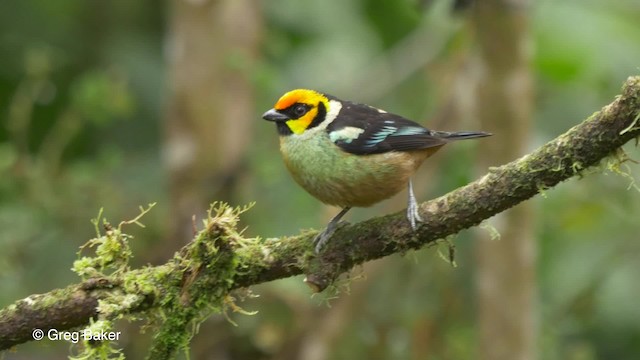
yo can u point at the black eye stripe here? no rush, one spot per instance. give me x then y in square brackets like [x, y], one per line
[297, 110]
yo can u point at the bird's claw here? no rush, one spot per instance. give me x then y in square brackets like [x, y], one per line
[413, 215]
[321, 239]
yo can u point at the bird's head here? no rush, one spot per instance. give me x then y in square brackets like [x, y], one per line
[299, 110]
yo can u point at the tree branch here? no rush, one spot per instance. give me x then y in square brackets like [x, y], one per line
[258, 261]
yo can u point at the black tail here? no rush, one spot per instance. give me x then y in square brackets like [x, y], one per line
[462, 135]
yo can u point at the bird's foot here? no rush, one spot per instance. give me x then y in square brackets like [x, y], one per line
[413, 215]
[322, 238]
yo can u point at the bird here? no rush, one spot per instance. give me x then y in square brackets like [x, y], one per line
[348, 154]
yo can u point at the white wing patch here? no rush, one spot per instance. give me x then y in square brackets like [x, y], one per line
[346, 134]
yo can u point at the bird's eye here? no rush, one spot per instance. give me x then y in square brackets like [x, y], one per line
[299, 110]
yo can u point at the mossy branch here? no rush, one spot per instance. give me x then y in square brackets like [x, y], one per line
[199, 278]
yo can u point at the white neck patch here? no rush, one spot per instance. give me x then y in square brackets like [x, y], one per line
[333, 111]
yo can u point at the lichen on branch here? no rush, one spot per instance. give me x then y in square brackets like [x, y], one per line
[200, 277]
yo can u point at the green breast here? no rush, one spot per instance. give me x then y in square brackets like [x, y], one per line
[339, 178]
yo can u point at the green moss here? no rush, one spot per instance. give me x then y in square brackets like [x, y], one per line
[93, 346]
[450, 256]
[493, 232]
[111, 261]
[112, 250]
[209, 265]
[617, 163]
[184, 292]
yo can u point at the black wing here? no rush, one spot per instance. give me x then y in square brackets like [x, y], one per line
[365, 130]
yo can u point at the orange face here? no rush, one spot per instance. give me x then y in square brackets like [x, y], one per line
[289, 102]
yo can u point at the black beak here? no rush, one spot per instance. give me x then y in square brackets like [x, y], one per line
[275, 115]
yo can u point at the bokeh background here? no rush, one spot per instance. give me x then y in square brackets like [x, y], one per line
[117, 104]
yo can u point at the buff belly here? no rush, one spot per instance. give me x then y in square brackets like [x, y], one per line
[342, 179]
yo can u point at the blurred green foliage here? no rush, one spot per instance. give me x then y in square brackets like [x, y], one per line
[81, 108]
[79, 128]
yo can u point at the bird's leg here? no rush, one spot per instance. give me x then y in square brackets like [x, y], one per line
[412, 208]
[322, 238]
